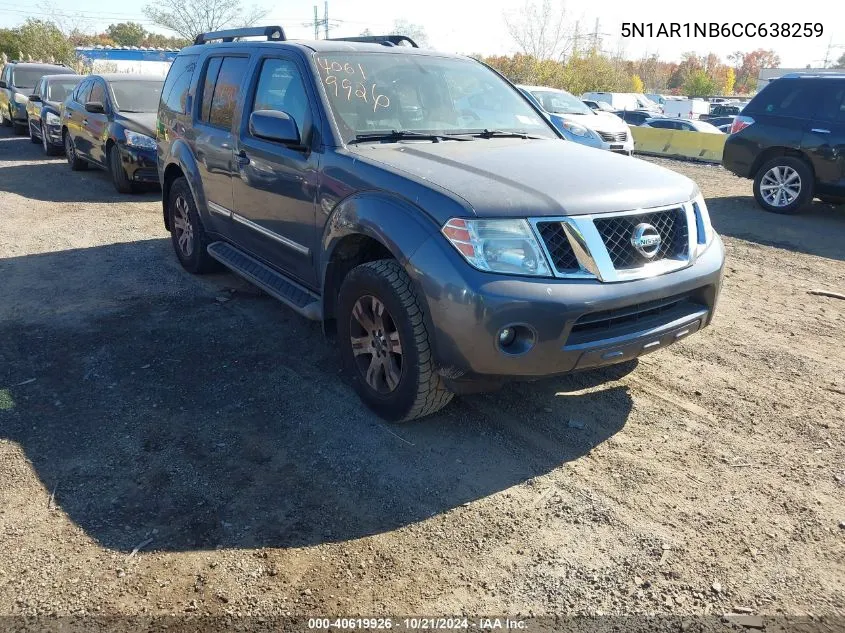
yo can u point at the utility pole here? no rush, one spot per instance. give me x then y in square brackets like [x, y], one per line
[596, 36]
[316, 24]
[326, 19]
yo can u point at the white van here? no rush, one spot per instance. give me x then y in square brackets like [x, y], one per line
[686, 108]
[623, 100]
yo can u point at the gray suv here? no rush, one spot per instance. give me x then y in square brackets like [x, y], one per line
[423, 206]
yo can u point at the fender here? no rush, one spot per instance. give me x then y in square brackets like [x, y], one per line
[181, 156]
[391, 220]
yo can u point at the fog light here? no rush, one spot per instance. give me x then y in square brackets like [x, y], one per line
[507, 336]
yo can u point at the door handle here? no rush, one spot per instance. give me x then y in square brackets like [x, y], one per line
[819, 130]
[243, 159]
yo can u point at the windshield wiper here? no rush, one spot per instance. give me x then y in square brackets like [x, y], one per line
[503, 134]
[399, 135]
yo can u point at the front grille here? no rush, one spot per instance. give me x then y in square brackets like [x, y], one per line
[563, 258]
[617, 232]
[617, 137]
[599, 326]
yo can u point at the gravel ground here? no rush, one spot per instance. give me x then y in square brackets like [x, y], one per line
[179, 445]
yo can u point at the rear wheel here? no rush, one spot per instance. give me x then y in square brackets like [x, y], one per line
[783, 185]
[186, 231]
[385, 343]
[118, 173]
[76, 163]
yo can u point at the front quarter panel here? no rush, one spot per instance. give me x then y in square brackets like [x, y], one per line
[179, 155]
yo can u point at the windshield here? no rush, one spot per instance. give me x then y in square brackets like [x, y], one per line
[25, 78]
[59, 89]
[560, 102]
[380, 92]
[135, 96]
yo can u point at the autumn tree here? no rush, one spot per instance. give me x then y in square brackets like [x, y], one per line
[637, 84]
[189, 18]
[730, 81]
[748, 65]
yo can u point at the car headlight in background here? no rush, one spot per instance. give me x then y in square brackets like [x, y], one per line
[19, 98]
[577, 130]
[500, 246]
[704, 228]
[134, 139]
[51, 119]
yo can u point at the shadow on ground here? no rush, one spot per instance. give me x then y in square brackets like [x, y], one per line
[819, 229]
[204, 424]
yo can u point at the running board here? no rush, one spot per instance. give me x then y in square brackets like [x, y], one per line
[270, 281]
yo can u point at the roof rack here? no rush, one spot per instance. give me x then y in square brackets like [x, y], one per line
[272, 33]
[384, 40]
[833, 73]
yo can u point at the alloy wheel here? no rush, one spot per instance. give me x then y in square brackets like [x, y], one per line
[69, 149]
[376, 345]
[183, 226]
[780, 186]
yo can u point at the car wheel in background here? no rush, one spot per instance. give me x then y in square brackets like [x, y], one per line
[783, 185]
[46, 145]
[186, 231]
[385, 345]
[20, 128]
[76, 163]
[6, 118]
[32, 138]
[118, 173]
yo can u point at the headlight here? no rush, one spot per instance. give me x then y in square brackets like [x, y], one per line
[139, 140]
[702, 222]
[51, 119]
[500, 246]
[577, 130]
[19, 98]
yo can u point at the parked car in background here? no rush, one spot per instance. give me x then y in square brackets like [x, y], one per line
[790, 139]
[579, 123]
[453, 241]
[686, 108]
[616, 100]
[598, 105]
[720, 121]
[44, 111]
[636, 117]
[722, 110]
[16, 84]
[686, 125]
[109, 121]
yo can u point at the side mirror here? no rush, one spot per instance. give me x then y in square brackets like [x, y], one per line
[274, 125]
[3, 84]
[95, 107]
[35, 98]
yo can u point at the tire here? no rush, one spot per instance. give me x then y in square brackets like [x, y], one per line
[46, 145]
[398, 386]
[20, 128]
[76, 163]
[32, 138]
[182, 217]
[7, 122]
[118, 173]
[784, 185]
[835, 200]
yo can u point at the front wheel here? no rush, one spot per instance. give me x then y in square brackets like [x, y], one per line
[118, 174]
[76, 163]
[784, 185]
[385, 344]
[32, 138]
[46, 145]
[7, 122]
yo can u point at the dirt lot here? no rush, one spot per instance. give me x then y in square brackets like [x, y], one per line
[205, 426]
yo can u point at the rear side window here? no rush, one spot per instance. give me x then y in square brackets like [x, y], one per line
[175, 92]
[786, 97]
[832, 107]
[221, 88]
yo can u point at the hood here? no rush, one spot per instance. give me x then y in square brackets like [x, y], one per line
[141, 122]
[598, 122]
[519, 178]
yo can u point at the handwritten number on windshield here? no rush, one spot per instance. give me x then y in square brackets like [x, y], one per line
[350, 83]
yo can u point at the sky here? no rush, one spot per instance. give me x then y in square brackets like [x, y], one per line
[478, 26]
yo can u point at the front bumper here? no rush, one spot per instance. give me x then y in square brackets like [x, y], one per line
[575, 324]
[624, 147]
[140, 164]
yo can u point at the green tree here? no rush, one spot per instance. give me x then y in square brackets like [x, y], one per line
[189, 18]
[10, 43]
[127, 33]
[699, 84]
[42, 39]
